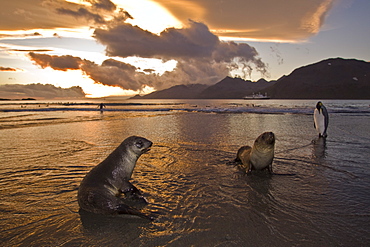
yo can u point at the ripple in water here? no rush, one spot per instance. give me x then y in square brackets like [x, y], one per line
[317, 196]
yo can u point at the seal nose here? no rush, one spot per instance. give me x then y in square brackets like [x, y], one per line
[269, 137]
[147, 149]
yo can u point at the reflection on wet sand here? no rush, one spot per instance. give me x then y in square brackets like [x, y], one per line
[107, 228]
[319, 149]
[317, 195]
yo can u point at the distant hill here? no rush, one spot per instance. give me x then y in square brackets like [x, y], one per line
[176, 92]
[334, 78]
[233, 88]
[228, 88]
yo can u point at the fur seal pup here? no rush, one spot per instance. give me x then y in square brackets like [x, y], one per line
[101, 189]
[260, 156]
[321, 119]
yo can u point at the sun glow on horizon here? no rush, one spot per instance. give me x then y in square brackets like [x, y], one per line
[267, 40]
[80, 2]
[70, 78]
[82, 32]
[96, 90]
[148, 15]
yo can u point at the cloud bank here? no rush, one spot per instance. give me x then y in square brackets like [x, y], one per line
[288, 20]
[201, 57]
[9, 69]
[63, 63]
[265, 19]
[40, 91]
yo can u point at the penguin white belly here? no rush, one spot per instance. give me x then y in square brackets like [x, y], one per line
[319, 121]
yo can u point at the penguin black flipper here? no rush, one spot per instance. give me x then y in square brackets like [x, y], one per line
[326, 118]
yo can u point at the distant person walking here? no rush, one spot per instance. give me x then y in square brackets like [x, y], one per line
[101, 106]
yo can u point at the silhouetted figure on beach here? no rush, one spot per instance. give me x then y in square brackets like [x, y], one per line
[101, 106]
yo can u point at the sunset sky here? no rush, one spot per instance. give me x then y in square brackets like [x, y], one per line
[125, 47]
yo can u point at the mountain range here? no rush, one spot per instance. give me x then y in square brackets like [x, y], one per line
[334, 78]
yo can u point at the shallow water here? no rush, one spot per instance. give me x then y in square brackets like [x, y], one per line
[318, 195]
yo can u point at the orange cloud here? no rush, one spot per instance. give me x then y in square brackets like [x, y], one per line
[313, 21]
[289, 20]
[63, 63]
[7, 69]
[201, 57]
[37, 14]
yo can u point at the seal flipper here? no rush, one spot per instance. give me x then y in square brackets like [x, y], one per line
[128, 187]
[132, 193]
[124, 209]
[270, 168]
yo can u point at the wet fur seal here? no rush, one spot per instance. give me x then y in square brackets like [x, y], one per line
[260, 156]
[101, 189]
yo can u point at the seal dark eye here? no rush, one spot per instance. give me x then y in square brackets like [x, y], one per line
[139, 144]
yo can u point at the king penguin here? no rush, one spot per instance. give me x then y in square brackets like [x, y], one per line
[321, 119]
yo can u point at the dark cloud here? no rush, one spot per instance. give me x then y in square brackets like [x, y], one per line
[33, 34]
[81, 13]
[110, 72]
[201, 57]
[38, 90]
[193, 42]
[126, 40]
[7, 69]
[56, 62]
[118, 64]
[113, 73]
[98, 13]
[32, 50]
[149, 70]
[192, 71]
[102, 4]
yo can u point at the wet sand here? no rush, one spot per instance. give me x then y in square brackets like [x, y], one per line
[318, 196]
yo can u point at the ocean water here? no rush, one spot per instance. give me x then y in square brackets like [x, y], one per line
[317, 196]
